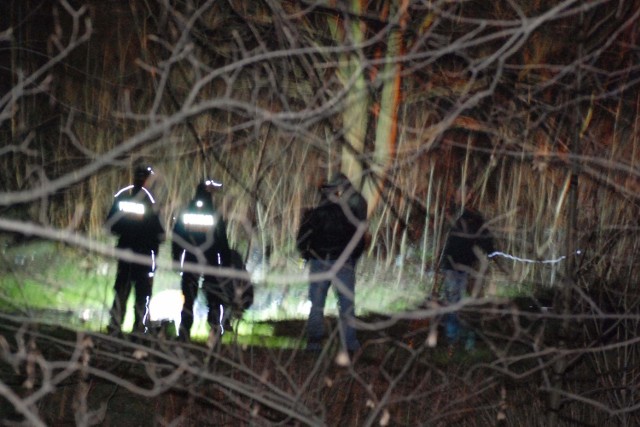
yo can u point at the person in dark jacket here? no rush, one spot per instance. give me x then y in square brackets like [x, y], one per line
[469, 242]
[135, 221]
[200, 240]
[333, 233]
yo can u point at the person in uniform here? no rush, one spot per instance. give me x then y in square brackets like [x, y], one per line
[133, 218]
[200, 244]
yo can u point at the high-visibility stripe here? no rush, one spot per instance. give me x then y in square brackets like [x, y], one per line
[197, 219]
[147, 192]
[131, 207]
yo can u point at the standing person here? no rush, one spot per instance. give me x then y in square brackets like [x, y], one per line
[331, 235]
[200, 240]
[135, 221]
[468, 241]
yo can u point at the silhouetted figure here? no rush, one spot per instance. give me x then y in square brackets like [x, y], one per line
[134, 220]
[328, 231]
[468, 241]
[200, 240]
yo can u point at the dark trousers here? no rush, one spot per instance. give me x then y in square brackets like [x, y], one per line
[139, 276]
[217, 294]
[344, 283]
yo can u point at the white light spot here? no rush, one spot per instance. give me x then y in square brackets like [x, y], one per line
[166, 305]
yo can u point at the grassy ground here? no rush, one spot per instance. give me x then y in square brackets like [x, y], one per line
[60, 284]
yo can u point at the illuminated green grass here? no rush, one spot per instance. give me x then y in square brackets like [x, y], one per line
[60, 284]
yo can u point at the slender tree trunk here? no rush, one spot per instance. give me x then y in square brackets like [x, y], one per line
[563, 299]
[386, 135]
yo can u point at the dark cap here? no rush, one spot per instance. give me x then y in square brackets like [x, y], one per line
[207, 187]
[141, 173]
[338, 180]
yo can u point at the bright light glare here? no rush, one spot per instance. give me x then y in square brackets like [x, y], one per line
[166, 305]
[131, 207]
[197, 219]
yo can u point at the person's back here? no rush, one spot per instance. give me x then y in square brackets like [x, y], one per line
[327, 231]
[133, 219]
[468, 234]
[331, 238]
[200, 233]
[468, 241]
[200, 237]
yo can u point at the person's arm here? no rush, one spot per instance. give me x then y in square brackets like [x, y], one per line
[487, 243]
[177, 236]
[158, 228]
[303, 237]
[113, 222]
[222, 243]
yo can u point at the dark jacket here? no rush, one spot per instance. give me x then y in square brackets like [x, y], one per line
[468, 232]
[202, 233]
[326, 231]
[133, 219]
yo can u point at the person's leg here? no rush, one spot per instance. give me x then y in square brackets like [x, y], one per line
[143, 290]
[189, 285]
[455, 283]
[216, 301]
[318, 296]
[345, 290]
[122, 288]
[215, 294]
[226, 286]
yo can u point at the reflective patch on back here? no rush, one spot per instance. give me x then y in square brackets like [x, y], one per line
[198, 222]
[133, 210]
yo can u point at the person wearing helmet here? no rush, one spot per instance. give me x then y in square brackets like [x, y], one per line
[200, 243]
[133, 218]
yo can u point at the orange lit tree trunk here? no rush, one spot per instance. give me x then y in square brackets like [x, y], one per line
[360, 106]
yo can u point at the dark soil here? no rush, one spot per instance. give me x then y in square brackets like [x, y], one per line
[69, 378]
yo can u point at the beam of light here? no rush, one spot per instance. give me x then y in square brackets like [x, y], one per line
[131, 207]
[198, 219]
[532, 261]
